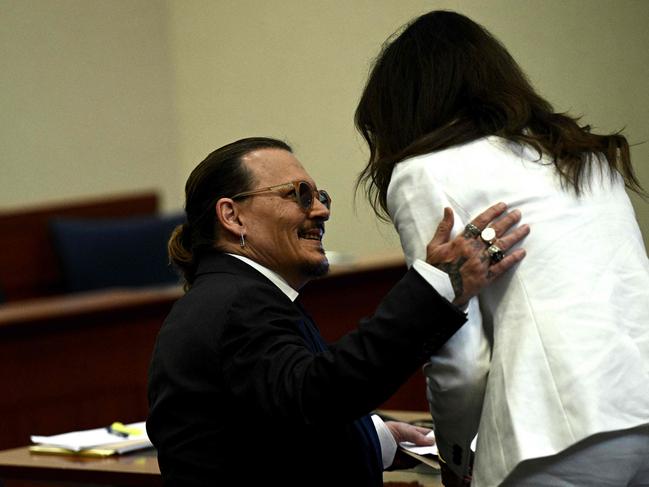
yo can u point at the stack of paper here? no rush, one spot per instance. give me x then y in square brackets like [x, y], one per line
[425, 454]
[94, 442]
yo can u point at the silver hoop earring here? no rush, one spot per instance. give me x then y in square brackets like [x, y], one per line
[242, 240]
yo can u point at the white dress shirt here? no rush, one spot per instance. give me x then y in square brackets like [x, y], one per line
[436, 278]
[556, 350]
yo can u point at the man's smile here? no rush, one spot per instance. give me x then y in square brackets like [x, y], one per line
[311, 234]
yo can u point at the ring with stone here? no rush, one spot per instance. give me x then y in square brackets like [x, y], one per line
[488, 235]
[471, 231]
[495, 254]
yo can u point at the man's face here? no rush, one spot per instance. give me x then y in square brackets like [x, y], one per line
[280, 234]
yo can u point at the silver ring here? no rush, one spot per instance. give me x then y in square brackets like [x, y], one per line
[488, 235]
[495, 254]
[471, 231]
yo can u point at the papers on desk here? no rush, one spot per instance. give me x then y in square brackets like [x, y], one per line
[425, 454]
[93, 442]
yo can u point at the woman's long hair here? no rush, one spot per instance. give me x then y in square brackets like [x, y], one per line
[446, 81]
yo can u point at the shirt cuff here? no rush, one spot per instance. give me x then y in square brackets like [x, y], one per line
[388, 443]
[436, 278]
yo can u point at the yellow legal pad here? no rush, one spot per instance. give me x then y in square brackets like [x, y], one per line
[53, 450]
[108, 450]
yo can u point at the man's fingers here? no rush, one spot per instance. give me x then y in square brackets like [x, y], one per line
[506, 222]
[490, 214]
[504, 265]
[443, 232]
[407, 432]
[512, 238]
[418, 438]
[424, 431]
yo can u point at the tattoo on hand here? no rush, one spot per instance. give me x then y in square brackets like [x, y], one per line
[453, 271]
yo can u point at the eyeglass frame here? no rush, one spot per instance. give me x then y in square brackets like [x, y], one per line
[315, 193]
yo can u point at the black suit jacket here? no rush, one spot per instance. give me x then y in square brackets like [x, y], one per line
[241, 392]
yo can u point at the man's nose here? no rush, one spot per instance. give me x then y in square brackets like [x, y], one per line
[319, 210]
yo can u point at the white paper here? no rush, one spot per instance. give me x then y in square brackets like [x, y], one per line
[93, 438]
[421, 450]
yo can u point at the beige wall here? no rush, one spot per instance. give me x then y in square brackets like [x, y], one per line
[86, 97]
[108, 95]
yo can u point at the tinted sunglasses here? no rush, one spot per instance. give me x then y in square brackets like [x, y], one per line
[304, 194]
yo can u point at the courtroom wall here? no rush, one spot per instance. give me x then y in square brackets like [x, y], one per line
[86, 97]
[111, 95]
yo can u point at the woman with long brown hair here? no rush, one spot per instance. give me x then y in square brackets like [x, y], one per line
[553, 367]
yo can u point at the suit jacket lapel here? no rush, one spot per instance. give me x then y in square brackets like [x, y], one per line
[309, 331]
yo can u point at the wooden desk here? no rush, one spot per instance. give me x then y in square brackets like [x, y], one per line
[18, 467]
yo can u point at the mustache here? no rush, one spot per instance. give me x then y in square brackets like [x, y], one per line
[317, 226]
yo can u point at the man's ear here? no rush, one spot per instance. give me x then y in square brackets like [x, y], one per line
[227, 212]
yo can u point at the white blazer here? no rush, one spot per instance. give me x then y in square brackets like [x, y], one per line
[557, 349]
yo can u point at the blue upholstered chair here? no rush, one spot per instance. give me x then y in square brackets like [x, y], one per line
[126, 252]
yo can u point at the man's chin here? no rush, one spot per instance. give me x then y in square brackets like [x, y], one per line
[316, 269]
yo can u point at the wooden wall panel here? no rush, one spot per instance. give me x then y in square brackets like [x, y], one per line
[28, 264]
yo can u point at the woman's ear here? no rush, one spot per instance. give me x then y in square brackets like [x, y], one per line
[229, 217]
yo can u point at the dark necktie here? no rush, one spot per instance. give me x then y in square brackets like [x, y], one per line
[364, 425]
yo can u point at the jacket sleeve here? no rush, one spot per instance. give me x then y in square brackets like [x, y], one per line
[268, 367]
[456, 375]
